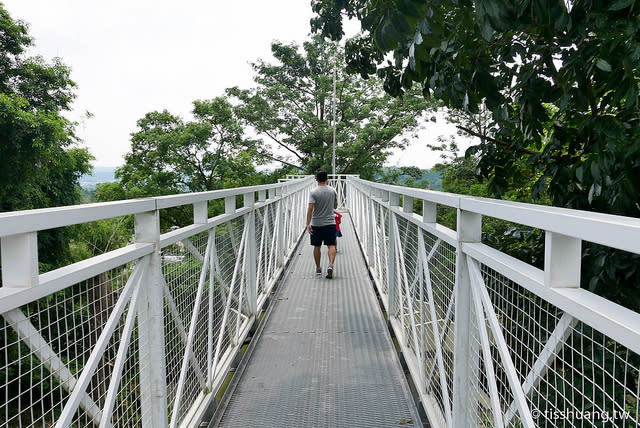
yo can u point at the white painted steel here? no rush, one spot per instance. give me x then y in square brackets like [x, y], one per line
[530, 331]
[79, 389]
[484, 306]
[535, 332]
[34, 340]
[118, 367]
[192, 329]
[17, 222]
[130, 373]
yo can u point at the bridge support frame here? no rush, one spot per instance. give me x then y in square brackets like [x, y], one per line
[465, 359]
[153, 388]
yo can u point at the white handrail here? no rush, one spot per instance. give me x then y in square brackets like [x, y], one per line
[527, 307]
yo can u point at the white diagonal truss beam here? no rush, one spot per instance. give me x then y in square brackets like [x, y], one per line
[480, 293]
[437, 338]
[41, 348]
[118, 366]
[192, 329]
[90, 366]
[545, 360]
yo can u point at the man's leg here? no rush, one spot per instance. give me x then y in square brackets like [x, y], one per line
[316, 256]
[332, 257]
[332, 254]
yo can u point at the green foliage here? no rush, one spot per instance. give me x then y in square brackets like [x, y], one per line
[169, 155]
[39, 163]
[410, 176]
[559, 79]
[291, 107]
[518, 58]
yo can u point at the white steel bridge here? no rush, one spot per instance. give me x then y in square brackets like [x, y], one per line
[149, 334]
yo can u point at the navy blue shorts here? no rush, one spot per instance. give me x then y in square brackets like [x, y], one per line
[326, 234]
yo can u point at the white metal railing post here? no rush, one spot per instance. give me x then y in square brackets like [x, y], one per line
[281, 222]
[429, 212]
[229, 204]
[250, 254]
[200, 212]
[370, 219]
[562, 260]
[469, 229]
[407, 204]
[392, 276]
[20, 260]
[152, 359]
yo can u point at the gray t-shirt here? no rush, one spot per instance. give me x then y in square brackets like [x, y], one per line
[324, 199]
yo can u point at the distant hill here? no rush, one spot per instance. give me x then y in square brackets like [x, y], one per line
[101, 174]
[106, 174]
[434, 177]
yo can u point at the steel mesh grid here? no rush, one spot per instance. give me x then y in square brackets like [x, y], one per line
[381, 233]
[267, 247]
[62, 328]
[235, 309]
[592, 381]
[477, 385]
[181, 272]
[409, 281]
[226, 249]
[269, 252]
[274, 224]
[441, 273]
[127, 411]
[526, 322]
[262, 250]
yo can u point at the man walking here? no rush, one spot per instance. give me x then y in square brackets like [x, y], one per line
[321, 223]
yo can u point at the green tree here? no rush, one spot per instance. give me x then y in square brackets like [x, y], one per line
[519, 57]
[561, 81]
[170, 155]
[40, 162]
[410, 176]
[291, 109]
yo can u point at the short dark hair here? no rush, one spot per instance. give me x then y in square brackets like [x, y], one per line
[321, 175]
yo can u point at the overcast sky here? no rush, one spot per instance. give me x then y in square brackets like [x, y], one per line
[130, 57]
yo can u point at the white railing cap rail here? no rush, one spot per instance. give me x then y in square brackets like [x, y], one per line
[610, 230]
[190, 198]
[16, 222]
[443, 198]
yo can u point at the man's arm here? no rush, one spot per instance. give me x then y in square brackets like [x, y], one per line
[309, 214]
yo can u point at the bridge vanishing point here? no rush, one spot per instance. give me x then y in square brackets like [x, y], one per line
[223, 323]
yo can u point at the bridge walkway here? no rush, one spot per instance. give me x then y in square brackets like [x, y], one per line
[325, 357]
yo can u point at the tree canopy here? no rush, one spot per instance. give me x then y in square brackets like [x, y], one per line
[290, 109]
[170, 155]
[40, 162]
[559, 78]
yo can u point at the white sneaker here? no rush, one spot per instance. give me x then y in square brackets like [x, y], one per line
[330, 272]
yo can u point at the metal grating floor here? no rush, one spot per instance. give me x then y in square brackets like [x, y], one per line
[325, 357]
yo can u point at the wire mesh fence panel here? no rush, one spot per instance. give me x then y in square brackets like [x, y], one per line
[182, 265]
[207, 279]
[572, 375]
[262, 220]
[380, 243]
[437, 329]
[45, 348]
[410, 279]
[110, 349]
